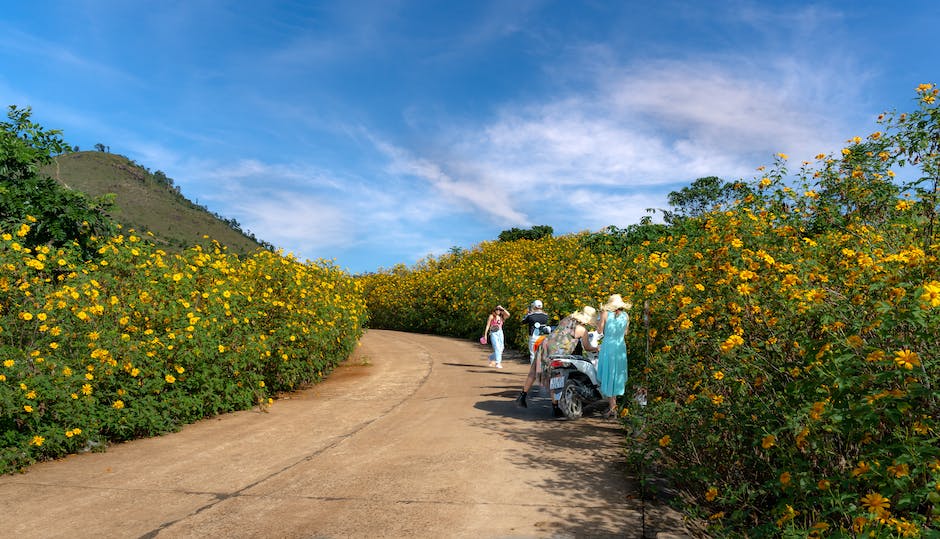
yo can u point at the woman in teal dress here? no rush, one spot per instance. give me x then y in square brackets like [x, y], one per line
[612, 358]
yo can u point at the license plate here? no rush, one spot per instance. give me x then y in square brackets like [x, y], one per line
[557, 382]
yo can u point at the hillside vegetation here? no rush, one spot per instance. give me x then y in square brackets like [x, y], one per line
[146, 201]
[106, 336]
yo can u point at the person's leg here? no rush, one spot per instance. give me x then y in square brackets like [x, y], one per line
[530, 379]
[492, 357]
[532, 348]
[498, 344]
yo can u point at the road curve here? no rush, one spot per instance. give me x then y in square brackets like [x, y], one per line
[413, 436]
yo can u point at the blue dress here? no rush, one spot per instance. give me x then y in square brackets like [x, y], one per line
[612, 358]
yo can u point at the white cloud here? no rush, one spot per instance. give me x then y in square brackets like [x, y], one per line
[628, 138]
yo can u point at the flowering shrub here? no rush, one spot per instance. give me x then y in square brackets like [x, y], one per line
[139, 342]
[788, 345]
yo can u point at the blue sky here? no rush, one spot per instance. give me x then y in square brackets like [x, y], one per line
[380, 132]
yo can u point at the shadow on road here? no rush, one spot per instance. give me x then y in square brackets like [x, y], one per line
[595, 470]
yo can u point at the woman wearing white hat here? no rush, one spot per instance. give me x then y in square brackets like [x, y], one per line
[564, 339]
[612, 359]
[537, 321]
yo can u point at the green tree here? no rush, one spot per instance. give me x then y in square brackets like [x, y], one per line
[56, 215]
[703, 196]
[535, 233]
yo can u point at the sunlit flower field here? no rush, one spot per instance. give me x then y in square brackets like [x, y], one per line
[139, 341]
[788, 342]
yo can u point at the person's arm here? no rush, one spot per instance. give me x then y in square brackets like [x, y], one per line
[602, 322]
[503, 312]
[586, 340]
[486, 329]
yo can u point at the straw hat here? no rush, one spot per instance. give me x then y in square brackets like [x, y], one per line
[615, 302]
[586, 315]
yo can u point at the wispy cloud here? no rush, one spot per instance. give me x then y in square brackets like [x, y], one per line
[61, 56]
[629, 136]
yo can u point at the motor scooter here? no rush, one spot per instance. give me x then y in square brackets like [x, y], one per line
[574, 383]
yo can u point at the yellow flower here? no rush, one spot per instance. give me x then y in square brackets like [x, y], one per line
[180, 370]
[906, 359]
[931, 294]
[169, 378]
[788, 515]
[711, 494]
[86, 389]
[37, 441]
[745, 289]
[899, 470]
[118, 404]
[785, 479]
[768, 441]
[875, 503]
[26, 316]
[8, 363]
[861, 469]
[858, 524]
[664, 441]
[28, 409]
[731, 342]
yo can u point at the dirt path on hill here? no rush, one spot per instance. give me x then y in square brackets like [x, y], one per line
[412, 437]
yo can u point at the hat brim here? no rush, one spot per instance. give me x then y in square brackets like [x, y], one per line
[581, 317]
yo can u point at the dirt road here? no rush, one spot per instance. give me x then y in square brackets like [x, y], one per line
[412, 437]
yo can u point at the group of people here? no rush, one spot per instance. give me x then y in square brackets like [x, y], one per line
[570, 336]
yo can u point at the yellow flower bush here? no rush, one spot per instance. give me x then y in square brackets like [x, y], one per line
[815, 296]
[138, 341]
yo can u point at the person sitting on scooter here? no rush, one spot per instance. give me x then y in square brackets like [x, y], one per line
[569, 337]
[537, 321]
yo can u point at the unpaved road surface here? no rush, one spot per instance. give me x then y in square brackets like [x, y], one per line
[413, 436]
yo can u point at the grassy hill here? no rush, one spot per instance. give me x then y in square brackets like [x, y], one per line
[148, 201]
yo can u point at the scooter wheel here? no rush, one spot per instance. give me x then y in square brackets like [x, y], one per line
[570, 401]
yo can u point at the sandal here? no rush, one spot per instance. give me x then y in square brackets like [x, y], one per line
[611, 414]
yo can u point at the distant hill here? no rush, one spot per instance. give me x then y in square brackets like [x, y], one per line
[148, 201]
